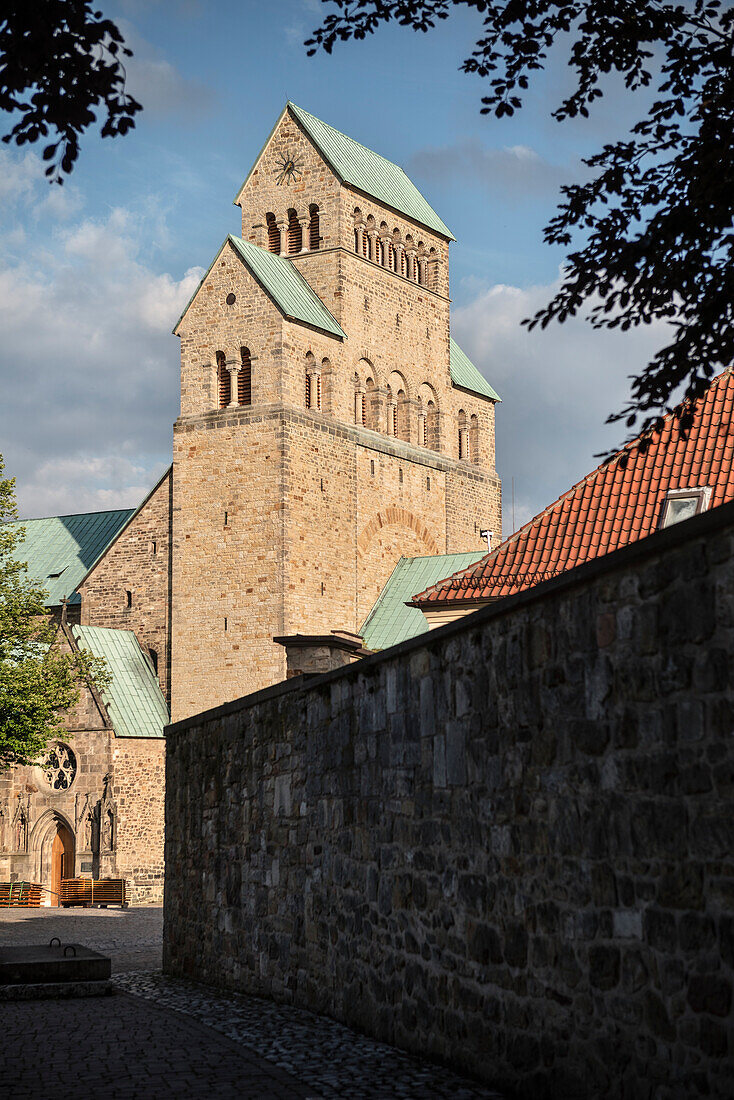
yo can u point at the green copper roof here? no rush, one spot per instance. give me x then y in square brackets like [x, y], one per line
[60, 550]
[134, 699]
[369, 172]
[466, 375]
[390, 621]
[283, 282]
[287, 287]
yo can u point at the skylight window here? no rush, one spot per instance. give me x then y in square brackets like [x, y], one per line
[680, 504]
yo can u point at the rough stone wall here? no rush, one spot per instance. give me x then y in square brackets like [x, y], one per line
[137, 562]
[507, 844]
[138, 788]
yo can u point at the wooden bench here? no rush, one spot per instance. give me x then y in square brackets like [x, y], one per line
[28, 894]
[88, 891]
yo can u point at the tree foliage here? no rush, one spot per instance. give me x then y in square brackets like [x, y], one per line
[38, 682]
[60, 63]
[654, 223]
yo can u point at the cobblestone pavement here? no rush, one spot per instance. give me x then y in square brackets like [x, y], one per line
[160, 1037]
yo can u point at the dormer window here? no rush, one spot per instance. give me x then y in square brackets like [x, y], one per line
[680, 504]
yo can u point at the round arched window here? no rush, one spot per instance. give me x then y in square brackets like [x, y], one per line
[59, 767]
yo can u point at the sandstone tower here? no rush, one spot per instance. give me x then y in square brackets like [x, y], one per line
[328, 422]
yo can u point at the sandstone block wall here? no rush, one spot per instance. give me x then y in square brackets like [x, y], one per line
[138, 788]
[508, 844]
[138, 562]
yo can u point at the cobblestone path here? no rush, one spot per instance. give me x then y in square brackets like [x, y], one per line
[160, 1037]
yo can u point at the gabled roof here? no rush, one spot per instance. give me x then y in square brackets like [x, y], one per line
[618, 503]
[466, 375]
[368, 172]
[282, 282]
[60, 550]
[390, 621]
[134, 699]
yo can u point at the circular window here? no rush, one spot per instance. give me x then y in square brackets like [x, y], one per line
[59, 767]
[231, 299]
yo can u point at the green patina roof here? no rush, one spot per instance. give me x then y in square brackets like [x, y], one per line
[134, 699]
[60, 550]
[357, 165]
[283, 282]
[390, 621]
[466, 375]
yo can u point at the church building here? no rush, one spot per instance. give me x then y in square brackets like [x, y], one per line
[329, 427]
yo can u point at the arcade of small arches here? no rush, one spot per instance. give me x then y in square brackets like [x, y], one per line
[386, 409]
[295, 233]
[400, 254]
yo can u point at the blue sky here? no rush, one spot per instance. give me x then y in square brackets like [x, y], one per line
[93, 275]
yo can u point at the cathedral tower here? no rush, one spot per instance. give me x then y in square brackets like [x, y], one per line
[329, 424]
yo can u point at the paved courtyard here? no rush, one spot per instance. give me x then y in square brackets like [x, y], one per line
[158, 1037]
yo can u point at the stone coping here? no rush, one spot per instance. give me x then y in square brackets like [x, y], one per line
[711, 522]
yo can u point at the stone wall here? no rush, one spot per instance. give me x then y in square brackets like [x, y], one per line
[508, 844]
[138, 563]
[138, 789]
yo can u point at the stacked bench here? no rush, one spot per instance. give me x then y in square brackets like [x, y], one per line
[28, 894]
[92, 891]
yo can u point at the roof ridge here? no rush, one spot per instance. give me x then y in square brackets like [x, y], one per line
[70, 515]
[341, 133]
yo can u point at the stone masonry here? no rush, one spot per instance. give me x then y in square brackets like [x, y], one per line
[289, 519]
[507, 844]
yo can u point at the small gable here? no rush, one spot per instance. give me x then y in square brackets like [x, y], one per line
[282, 282]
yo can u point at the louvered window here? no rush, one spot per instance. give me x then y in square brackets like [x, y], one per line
[309, 383]
[363, 409]
[273, 234]
[422, 431]
[393, 421]
[224, 381]
[314, 240]
[365, 244]
[295, 234]
[244, 379]
[318, 390]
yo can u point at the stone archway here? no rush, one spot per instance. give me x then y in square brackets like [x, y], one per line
[54, 850]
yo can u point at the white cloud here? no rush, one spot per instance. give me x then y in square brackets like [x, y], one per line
[158, 85]
[515, 171]
[88, 365]
[557, 387]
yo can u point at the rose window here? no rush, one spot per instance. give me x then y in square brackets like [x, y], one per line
[60, 767]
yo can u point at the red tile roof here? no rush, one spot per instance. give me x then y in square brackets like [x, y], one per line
[618, 503]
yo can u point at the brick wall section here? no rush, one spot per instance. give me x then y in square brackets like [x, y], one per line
[507, 844]
[138, 790]
[138, 562]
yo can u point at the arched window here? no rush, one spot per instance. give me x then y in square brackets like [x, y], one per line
[314, 240]
[313, 383]
[369, 386]
[392, 413]
[474, 439]
[429, 409]
[422, 428]
[358, 230]
[244, 379]
[295, 234]
[463, 436]
[273, 234]
[360, 402]
[224, 381]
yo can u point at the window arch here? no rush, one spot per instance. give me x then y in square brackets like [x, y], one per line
[224, 381]
[273, 234]
[295, 233]
[474, 438]
[244, 378]
[314, 239]
[463, 436]
[313, 383]
[371, 412]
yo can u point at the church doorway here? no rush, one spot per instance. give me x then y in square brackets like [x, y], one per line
[55, 848]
